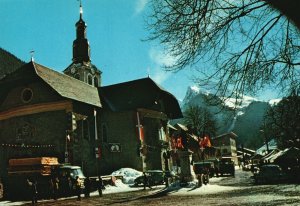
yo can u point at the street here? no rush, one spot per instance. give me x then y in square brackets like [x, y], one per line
[225, 191]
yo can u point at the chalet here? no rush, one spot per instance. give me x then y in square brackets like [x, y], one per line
[226, 144]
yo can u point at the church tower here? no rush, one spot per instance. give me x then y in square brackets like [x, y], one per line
[81, 67]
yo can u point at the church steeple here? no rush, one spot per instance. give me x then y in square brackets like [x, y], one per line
[81, 47]
[81, 67]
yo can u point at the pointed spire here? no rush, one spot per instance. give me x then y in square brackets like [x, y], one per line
[80, 10]
[81, 48]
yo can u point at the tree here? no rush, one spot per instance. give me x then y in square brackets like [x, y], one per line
[283, 121]
[249, 43]
[200, 120]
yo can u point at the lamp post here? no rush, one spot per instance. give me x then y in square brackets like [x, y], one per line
[66, 148]
[96, 140]
[95, 116]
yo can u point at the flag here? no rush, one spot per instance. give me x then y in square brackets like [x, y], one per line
[204, 142]
[140, 128]
[179, 143]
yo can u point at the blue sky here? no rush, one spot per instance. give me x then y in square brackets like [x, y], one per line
[115, 30]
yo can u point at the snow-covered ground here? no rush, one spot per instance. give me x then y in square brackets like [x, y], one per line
[216, 186]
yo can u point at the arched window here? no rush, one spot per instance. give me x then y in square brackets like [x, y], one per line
[26, 95]
[96, 82]
[90, 79]
[77, 76]
[104, 133]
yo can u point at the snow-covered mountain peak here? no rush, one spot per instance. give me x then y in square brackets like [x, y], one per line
[239, 103]
[274, 101]
[195, 89]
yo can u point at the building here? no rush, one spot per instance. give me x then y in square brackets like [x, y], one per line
[72, 117]
[226, 144]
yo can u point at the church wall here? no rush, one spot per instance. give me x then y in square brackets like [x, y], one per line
[121, 128]
[41, 134]
[33, 128]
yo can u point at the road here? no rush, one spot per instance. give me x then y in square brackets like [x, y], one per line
[226, 191]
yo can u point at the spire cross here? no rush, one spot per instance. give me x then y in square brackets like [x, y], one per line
[80, 9]
[32, 54]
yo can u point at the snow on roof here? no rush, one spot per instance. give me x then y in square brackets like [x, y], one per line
[272, 144]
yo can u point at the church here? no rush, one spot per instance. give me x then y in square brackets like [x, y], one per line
[71, 116]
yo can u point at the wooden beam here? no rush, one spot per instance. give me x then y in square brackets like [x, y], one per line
[152, 114]
[36, 108]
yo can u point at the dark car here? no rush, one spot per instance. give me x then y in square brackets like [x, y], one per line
[155, 177]
[226, 167]
[269, 174]
[204, 167]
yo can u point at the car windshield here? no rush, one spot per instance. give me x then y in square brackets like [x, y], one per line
[77, 172]
[72, 172]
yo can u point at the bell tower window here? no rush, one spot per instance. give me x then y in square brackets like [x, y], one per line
[96, 82]
[90, 79]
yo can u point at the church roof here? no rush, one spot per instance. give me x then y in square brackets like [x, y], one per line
[67, 86]
[64, 85]
[140, 93]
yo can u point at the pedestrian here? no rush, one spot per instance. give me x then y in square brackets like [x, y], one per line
[146, 181]
[33, 190]
[87, 186]
[55, 187]
[78, 188]
[166, 179]
[100, 186]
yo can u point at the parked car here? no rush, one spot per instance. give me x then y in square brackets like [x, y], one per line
[226, 167]
[270, 174]
[155, 177]
[203, 170]
[199, 167]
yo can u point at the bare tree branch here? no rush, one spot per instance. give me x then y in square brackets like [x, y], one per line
[248, 44]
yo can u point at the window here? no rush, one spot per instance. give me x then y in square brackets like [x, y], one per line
[162, 134]
[27, 95]
[77, 76]
[90, 79]
[96, 83]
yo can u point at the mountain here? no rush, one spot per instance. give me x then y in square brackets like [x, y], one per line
[245, 119]
[8, 63]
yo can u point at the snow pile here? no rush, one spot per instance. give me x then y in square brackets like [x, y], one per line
[119, 187]
[128, 174]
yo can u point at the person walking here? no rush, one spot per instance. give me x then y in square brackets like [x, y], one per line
[78, 188]
[55, 187]
[33, 190]
[146, 181]
[87, 186]
[100, 186]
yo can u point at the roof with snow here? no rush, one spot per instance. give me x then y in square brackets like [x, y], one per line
[231, 134]
[272, 144]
